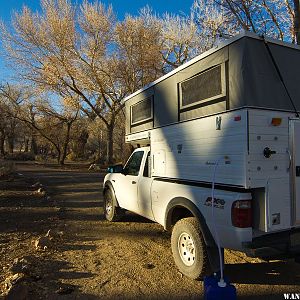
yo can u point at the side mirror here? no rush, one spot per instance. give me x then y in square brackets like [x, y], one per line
[115, 169]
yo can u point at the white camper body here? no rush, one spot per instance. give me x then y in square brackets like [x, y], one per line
[236, 140]
[225, 119]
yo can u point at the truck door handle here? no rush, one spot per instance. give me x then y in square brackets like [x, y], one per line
[133, 182]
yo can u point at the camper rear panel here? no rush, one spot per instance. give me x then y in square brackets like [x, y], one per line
[295, 169]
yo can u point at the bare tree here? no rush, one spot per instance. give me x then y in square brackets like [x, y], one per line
[180, 40]
[64, 53]
[8, 124]
[275, 18]
[52, 121]
[2, 128]
[79, 138]
[83, 51]
[138, 50]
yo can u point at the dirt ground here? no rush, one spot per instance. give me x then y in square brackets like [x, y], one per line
[86, 257]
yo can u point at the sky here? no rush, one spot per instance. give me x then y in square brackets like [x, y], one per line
[121, 8]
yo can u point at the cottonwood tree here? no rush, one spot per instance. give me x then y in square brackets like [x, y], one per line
[214, 23]
[80, 50]
[79, 138]
[180, 40]
[9, 123]
[138, 41]
[2, 129]
[275, 18]
[59, 116]
[183, 37]
[10, 98]
[4, 117]
[65, 52]
[51, 118]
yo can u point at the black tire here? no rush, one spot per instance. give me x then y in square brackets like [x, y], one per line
[189, 249]
[111, 212]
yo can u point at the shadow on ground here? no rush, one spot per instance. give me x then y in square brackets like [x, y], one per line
[96, 257]
[270, 273]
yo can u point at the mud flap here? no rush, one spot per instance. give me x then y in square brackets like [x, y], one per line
[214, 260]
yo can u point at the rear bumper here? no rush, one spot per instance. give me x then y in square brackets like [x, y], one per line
[285, 244]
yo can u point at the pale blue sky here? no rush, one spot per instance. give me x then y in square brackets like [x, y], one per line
[121, 7]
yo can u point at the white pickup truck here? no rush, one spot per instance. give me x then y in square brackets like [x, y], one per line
[185, 208]
[227, 119]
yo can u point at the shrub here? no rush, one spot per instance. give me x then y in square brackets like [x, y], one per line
[72, 156]
[20, 156]
[6, 168]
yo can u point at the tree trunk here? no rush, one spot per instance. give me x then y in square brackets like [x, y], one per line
[81, 142]
[21, 144]
[58, 156]
[297, 21]
[66, 144]
[33, 146]
[26, 148]
[2, 150]
[10, 142]
[110, 143]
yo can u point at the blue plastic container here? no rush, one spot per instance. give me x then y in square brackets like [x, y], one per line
[213, 280]
[212, 291]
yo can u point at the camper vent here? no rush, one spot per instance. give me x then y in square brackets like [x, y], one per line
[142, 111]
[203, 87]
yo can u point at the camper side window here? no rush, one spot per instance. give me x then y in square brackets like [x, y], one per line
[134, 163]
[202, 88]
[142, 111]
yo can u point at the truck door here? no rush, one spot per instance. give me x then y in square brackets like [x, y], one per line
[295, 170]
[144, 190]
[125, 184]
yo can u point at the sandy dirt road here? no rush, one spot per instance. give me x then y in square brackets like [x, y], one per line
[129, 259]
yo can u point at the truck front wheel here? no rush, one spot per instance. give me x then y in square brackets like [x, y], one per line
[189, 249]
[112, 213]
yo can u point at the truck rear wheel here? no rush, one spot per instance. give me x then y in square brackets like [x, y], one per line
[189, 249]
[112, 213]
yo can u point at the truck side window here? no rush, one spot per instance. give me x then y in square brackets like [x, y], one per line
[134, 163]
[146, 168]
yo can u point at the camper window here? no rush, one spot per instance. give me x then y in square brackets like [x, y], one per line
[204, 87]
[142, 111]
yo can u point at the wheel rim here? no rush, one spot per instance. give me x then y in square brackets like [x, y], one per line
[108, 206]
[186, 249]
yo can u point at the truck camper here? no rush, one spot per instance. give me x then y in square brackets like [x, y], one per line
[217, 158]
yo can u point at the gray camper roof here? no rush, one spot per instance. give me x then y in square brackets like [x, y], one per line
[209, 52]
[237, 73]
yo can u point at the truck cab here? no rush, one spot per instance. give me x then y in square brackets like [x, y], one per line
[181, 208]
[132, 184]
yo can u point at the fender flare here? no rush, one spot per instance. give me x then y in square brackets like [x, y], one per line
[109, 185]
[188, 204]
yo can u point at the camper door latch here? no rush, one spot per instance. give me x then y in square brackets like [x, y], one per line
[268, 152]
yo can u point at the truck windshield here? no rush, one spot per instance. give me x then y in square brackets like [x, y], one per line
[134, 163]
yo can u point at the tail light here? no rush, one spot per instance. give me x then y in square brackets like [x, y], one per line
[241, 214]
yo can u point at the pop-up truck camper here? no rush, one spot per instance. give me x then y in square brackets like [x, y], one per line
[227, 120]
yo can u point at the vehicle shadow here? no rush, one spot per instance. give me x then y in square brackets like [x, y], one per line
[269, 273]
[38, 277]
[134, 218]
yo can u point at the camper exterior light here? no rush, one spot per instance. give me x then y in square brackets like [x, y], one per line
[276, 121]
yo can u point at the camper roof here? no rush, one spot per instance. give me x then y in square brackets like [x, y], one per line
[209, 52]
